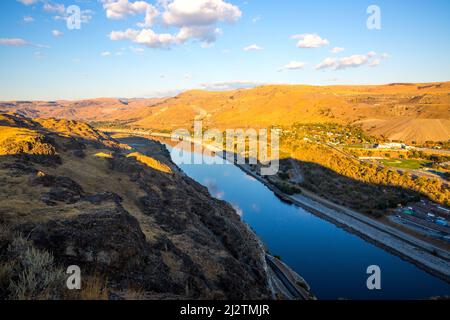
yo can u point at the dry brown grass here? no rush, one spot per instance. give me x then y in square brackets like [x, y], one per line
[422, 107]
[133, 293]
[15, 140]
[104, 155]
[416, 105]
[70, 128]
[93, 288]
[150, 162]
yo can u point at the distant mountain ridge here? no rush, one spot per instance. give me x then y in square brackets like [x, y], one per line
[101, 109]
[399, 111]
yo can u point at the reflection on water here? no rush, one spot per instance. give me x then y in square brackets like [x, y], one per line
[332, 260]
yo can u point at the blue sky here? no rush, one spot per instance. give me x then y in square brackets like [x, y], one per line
[174, 45]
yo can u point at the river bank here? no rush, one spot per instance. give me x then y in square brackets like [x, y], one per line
[426, 256]
[282, 281]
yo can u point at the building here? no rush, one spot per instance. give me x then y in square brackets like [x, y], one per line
[392, 146]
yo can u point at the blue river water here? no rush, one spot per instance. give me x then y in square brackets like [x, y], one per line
[332, 260]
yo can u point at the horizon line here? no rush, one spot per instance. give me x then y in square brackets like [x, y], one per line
[260, 85]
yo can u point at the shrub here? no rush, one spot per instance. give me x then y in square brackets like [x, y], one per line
[283, 175]
[33, 275]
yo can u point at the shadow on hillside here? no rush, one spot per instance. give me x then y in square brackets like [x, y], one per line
[370, 198]
[373, 197]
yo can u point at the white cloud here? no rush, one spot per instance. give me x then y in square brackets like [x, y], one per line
[353, 61]
[57, 33]
[163, 93]
[15, 42]
[293, 65]
[187, 76]
[105, 54]
[337, 50]
[145, 37]
[86, 16]
[371, 59]
[28, 2]
[58, 8]
[194, 19]
[378, 59]
[206, 34]
[310, 41]
[256, 19]
[61, 15]
[327, 63]
[152, 39]
[120, 9]
[229, 85]
[375, 63]
[208, 45]
[136, 50]
[253, 47]
[39, 55]
[28, 19]
[182, 13]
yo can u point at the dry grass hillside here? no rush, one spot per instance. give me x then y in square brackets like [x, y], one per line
[402, 111]
[135, 225]
[407, 112]
[102, 109]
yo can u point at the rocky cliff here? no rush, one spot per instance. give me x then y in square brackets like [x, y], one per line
[134, 224]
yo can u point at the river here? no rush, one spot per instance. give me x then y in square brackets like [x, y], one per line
[332, 260]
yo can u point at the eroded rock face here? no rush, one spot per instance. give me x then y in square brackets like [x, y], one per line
[62, 189]
[101, 197]
[104, 241]
[139, 223]
[105, 237]
[207, 225]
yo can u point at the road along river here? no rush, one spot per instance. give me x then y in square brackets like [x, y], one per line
[332, 260]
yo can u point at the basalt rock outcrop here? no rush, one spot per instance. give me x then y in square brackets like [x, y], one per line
[128, 218]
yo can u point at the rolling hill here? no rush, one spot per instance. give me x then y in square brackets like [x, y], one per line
[102, 109]
[399, 111]
[408, 112]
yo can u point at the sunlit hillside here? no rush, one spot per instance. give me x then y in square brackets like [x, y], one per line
[407, 112]
[101, 109]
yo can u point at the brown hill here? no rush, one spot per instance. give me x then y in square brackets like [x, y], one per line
[409, 129]
[102, 109]
[406, 112]
[399, 111]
